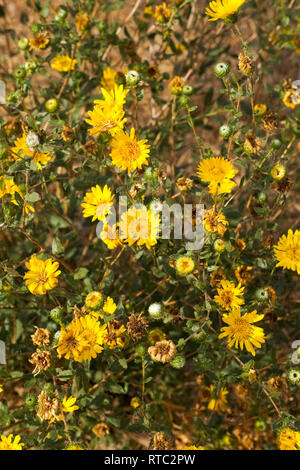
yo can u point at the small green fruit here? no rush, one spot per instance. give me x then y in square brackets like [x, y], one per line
[225, 131]
[23, 44]
[30, 400]
[19, 73]
[222, 69]
[294, 376]
[132, 78]
[187, 90]
[276, 144]
[51, 105]
[155, 310]
[261, 295]
[219, 245]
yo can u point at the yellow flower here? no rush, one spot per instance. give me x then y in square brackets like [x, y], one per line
[109, 306]
[113, 337]
[260, 109]
[228, 295]
[218, 172]
[241, 332]
[223, 9]
[127, 152]
[140, 226]
[93, 299]
[218, 401]
[185, 265]
[63, 63]
[39, 41]
[8, 187]
[135, 402]
[110, 236]
[10, 442]
[68, 405]
[291, 99]
[193, 448]
[21, 149]
[287, 251]
[82, 339]
[148, 10]
[215, 222]
[108, 114]
[1, 389]
[108, 79]
[97, 203]
[74, 446]
[156, 335]
[177, 83]
[42, 275]
[289, 439]
[162, 13]
[81, 21]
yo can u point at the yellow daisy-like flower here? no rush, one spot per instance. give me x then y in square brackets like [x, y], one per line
[260, 109]
[229, 295]
[127, 152]
[1, 389]
[140, 226]
[42, 275]
[185, 265]
[218, 172]
[108, 79]
[177, 83]
[110, 236]
[106, 118]
[21, 149]
[241, 332]
[40, 41]
[218, 401]
[109, 306]
[93, 299]
[215, 222]
[289, 439]
[291, 98]
[10, 442]
[115, 97]
[8, 187]
[287, 251]
[68, 405]
[74, 447]
[97, 203]
[223, 9]
[82, 340]
[135, 402]
[63, 63]
[162, 13]
[81, 20]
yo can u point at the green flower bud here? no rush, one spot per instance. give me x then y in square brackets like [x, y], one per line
[219, 245]
[261, 295]
[140, 350]
[155, 310]
[225, 131]
[61, 15]
[35, 28]
[51, 105]
[56, 315]
[31, 66]
[184, 101]
[30, 400]
[262, 197]
[187, 90]
[276, 144]
[132, 78]
[23, 44]
[260, 425]
[102, 26]
[294, 376]
[19, 73]
[178, 362]
[222, 69]
[48, 388]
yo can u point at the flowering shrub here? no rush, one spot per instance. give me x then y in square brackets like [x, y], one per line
[113, 335]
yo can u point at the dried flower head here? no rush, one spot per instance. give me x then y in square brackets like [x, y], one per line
[41, 360]
[163, 351]
[137, 326]
[41, 336]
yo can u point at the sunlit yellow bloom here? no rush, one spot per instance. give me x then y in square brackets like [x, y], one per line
[1, 389]
[291, 98]
[8, 187]
[223, 9]
[115, 97]
[289, 439]
[241, 332]
[68, 404]
[215, 221]
[81, 20]
[193, 448]
[108, 79]
[218, 172]
[93, 299]
[109, 306]
[135, 402]
[140, 226]
[63, 63]
[185, 265]
[287, 251]
[40, 41]
[82, 339]
[177, 83]
[10, 442]
[21, 149]
[229, 295]
[110, 236]
[260, 109]
[162, 13]
[42, 275]
[98, 203]
[127, 152]
[218, 401]
[74, 446]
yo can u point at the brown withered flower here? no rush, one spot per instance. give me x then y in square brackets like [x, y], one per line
[137, 326]
[244, 274]
[272, 295]
[101, 430]
[161, 442]
[269, 241]
[216, 277]
[252, 143]
[90, 147]
[80, 312]
[246, 64]
[47, 407]
[184, 184]
[41, 336]
[39, 41]
[41, 360]
[270, 121]
[67, 134]
[277, 384]
[163, 351]
[282, 186]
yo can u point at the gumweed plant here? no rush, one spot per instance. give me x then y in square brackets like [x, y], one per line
[117, 331]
